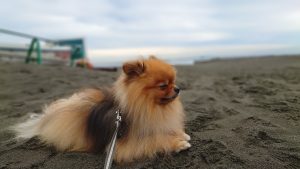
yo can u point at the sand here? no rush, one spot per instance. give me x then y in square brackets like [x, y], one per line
[241, 113]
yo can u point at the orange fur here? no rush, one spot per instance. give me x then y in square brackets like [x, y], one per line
[155, 126]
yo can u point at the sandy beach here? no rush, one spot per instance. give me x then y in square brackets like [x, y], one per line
[240, 113]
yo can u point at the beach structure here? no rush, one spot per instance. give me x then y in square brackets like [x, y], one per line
[65, 50]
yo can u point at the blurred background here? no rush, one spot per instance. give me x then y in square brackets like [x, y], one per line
[107, 32]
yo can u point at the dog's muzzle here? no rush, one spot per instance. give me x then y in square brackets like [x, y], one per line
[165, 100]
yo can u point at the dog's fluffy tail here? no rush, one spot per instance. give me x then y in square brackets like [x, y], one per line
[29, 128]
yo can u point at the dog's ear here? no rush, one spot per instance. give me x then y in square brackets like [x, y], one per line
[152, 57]
[134, 68]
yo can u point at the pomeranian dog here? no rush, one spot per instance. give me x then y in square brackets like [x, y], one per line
[152, 115]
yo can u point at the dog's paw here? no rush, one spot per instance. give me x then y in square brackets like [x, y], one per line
[182, 145]
[186, 137]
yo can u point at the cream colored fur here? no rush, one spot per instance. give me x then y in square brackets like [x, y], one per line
[63, 122]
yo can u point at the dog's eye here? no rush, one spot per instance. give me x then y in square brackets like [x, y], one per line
[163, 86]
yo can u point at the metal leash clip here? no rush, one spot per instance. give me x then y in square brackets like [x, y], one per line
[119, 117]
[111, 149]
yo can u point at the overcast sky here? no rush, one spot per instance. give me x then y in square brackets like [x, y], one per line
[169, 28]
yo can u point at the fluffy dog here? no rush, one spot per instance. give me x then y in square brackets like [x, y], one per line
[152, 115]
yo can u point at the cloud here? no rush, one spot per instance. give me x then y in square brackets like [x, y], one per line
[185, 52]
[152, 25]
[72, 26]
[260, 16]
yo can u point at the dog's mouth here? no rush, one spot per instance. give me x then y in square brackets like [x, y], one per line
[166, 100]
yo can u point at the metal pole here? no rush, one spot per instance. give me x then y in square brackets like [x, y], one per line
[5, 31]
[39, 52]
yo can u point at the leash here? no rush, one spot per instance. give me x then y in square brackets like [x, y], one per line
[111, 149]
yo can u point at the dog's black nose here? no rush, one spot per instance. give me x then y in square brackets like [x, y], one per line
[177, 89]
